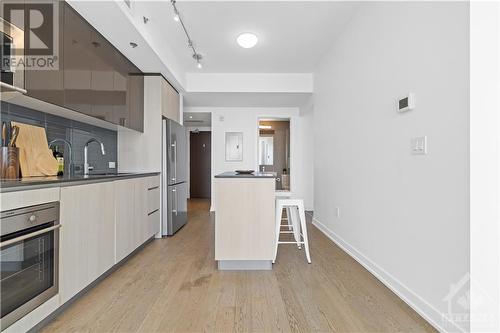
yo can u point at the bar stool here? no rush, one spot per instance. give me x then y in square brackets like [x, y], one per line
[296, 224]
[286, 195]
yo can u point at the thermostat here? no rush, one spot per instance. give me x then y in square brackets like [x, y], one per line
[406, 103]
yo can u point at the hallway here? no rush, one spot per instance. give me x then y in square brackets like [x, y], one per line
[172, 285]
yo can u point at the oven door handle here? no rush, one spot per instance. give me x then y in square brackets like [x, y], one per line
[23, 237]
[13, 88]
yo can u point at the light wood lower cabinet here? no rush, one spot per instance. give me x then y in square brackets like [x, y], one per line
[101, 224]
[134, 224]
[87, 235]
[125, 217]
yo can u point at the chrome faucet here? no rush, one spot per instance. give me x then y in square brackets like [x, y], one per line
[51, 143]
[86, 167]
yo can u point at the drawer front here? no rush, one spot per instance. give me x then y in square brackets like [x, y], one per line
[18, 199]
[153, 199]
[154, 223]
[153, 182]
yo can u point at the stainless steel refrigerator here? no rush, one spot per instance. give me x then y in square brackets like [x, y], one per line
[174, 177]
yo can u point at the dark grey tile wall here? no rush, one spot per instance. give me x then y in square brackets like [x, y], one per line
[75, 132]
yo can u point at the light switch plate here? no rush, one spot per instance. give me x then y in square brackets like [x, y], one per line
[111, 165]
[418, 145]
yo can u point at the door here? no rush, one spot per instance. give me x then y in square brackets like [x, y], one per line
[200, 170]
[124, 218]
[77, 62]
[87, 234]
[177, 162]
[177, 207]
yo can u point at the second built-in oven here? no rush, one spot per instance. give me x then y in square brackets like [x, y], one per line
[29, 259]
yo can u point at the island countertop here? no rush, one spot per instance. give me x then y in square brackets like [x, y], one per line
[232, 174]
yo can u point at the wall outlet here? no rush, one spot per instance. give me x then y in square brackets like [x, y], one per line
[418, 145]
[111, 165]
[337, 212]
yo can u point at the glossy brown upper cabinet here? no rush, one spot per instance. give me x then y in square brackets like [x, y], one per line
[48, 84]
[93, 77]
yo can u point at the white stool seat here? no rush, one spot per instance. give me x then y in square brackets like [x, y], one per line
[296, 224]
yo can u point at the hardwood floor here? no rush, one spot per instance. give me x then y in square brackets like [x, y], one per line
[172, 285]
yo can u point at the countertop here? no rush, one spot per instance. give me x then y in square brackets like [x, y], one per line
[232, 174]
[31, 183]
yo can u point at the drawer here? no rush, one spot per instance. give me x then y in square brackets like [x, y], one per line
[18, 199]
[153, 199]
[154, 223]
[153, 182]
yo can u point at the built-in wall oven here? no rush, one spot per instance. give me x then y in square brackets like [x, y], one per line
[12, 58]
[29, 259]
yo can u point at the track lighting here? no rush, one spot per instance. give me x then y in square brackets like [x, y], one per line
[198, 57]
[177, 17]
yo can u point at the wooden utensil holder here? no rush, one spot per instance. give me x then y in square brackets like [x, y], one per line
[9, 162]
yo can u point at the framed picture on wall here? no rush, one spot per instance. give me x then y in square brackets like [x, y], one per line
[234, 146]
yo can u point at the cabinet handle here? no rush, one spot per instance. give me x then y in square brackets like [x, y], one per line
[154, 211]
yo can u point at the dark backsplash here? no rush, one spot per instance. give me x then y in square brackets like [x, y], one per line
[75, 132]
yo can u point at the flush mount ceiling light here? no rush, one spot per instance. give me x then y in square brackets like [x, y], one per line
[177, 17]
[247, 40]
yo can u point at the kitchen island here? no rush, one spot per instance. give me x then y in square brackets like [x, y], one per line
[244, 221]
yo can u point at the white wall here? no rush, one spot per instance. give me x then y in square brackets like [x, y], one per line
[246, 120]
[250, 82]
[405, 217]
[484, 166]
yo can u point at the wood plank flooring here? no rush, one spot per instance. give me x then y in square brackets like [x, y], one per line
[172, 285]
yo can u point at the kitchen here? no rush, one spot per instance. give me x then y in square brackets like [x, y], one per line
[300, 217]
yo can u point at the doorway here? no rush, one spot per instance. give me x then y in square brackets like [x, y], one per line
[274, 150]
[200, 164]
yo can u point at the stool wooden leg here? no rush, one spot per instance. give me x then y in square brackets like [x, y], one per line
[304, 231]
[279, 212]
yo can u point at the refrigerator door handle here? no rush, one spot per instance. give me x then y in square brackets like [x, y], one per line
[174, 145]
[174, 200]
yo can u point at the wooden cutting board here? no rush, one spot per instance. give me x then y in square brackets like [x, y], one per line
[35, 157]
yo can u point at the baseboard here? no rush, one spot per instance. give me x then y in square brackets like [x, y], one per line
[422, 307]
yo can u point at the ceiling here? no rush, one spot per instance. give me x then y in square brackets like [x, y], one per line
[293, 35]
[197, 119]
